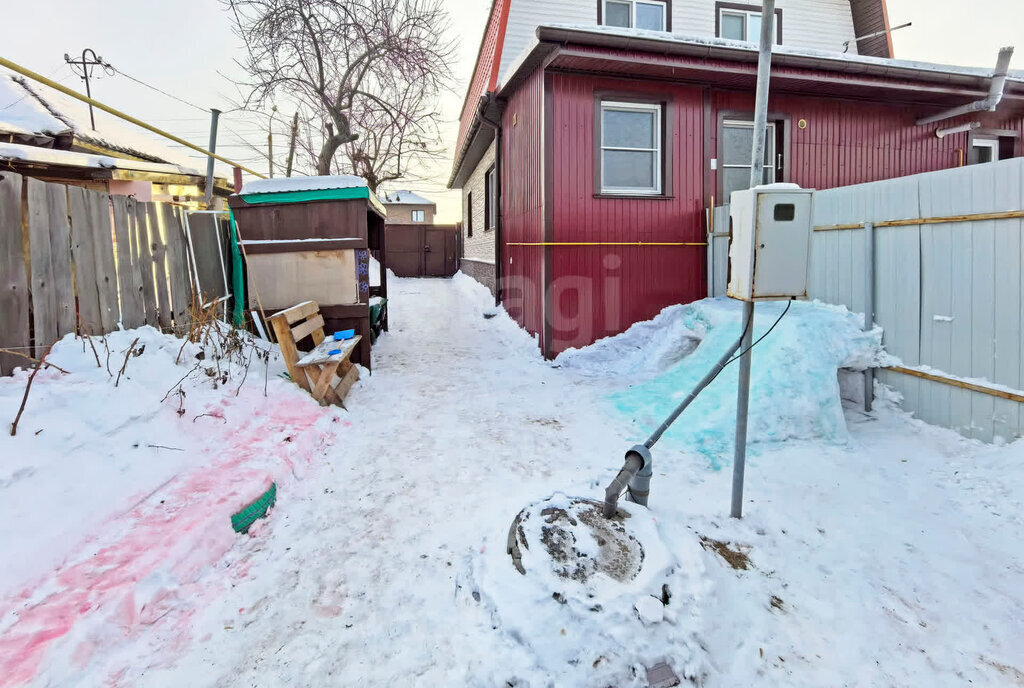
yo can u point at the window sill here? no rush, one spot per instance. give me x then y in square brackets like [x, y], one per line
[634, 197]
[489, 229]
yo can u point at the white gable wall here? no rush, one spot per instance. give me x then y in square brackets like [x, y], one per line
[818, 24]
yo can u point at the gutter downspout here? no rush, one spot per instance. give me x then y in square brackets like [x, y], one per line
[496, 126]
[989, 102]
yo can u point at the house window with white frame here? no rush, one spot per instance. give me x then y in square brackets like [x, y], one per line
[651, 15]
[418, 215]
[631, 150]
[742, 24]
[737, 141]
[985, 150]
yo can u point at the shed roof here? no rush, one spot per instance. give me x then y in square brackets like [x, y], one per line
[38, 115]
[340, 187]
[65, 158]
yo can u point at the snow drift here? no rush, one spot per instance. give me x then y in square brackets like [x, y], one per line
[794, 387]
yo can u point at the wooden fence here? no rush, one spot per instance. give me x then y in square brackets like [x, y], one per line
[948, 257]
[72, 259]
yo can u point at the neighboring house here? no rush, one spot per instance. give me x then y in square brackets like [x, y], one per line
[406, 208]
[45, 134]
[595, 135]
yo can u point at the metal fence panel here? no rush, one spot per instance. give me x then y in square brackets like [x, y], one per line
[949, 296]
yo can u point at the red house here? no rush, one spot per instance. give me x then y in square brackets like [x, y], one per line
[589, 153]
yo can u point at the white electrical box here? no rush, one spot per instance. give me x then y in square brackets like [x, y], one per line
[771, 242]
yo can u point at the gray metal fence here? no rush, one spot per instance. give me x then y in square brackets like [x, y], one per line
[949, 289]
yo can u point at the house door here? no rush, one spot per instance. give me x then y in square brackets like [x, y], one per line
[734, 145]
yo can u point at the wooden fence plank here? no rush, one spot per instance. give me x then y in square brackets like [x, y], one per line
[159, 250]
[144, 255]
[13, 280]
[103, 249]
[60, 257]
[44, 300]
[84, 261]
[177, 266]
[138, 305]
[129, 288]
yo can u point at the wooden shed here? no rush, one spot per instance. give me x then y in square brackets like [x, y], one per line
[309, 239]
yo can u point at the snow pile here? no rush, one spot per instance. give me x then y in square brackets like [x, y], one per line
[116, 494]
[794, 386]
[596, 628]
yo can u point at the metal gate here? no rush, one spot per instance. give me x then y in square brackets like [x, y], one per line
[422, 250]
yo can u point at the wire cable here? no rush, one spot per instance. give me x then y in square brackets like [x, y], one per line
[740, 354]
[158, 90]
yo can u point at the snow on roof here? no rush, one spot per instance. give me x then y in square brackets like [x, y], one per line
[340, 181]
[714, 42]
[16, 151]
[405, 198]
[33, 108]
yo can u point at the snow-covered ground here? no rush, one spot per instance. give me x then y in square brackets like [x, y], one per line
[886, 552]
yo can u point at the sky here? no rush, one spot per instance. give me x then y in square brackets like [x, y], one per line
[186, 49]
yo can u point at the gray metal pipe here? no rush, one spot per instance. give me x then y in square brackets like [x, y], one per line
[989, 102]
[764, 69]
[214, 117]
[869, 305]
[638, 468]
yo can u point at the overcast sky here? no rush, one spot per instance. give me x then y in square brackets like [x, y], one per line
[185, 48]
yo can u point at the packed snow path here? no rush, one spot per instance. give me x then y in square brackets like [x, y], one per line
[895, 560]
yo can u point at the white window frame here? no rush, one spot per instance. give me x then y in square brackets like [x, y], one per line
[659, 160]
[632, 11]
[992, 144]
[491, 207]
[747, 14]
[422, 216]
[769, 136]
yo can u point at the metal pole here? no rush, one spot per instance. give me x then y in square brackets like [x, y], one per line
[214, 116]
[764, 67]
[291, 145]
[869, 305]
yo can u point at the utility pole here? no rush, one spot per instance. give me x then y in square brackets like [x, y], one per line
[270, 141]
[86, 64]
[291, 144]
[764, 68]
[214, 116]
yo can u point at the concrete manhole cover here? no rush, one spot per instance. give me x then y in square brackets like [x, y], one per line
[570, 537]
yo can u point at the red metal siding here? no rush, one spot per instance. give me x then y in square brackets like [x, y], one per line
[485, 75]
[599, 291]
[522, 218]
[850, 142]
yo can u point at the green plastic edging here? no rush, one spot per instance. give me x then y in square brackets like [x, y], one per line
[237, 283]
[258, 509]
[314, 195]
[347, 194]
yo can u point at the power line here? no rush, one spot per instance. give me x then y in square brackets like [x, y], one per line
[158, 90]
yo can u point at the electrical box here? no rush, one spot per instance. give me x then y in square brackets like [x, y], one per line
[771, 242]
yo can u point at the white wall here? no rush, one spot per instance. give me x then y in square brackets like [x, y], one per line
[819, 24]
[480, 246]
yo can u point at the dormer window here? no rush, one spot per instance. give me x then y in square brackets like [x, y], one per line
[743, 22]
[651, 15]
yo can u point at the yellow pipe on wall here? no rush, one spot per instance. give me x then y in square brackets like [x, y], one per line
[606, 243]
[14, 67]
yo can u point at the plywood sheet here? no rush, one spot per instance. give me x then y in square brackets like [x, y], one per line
[282, 280]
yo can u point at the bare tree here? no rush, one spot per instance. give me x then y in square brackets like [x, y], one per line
[397, 142]
[356, 65]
